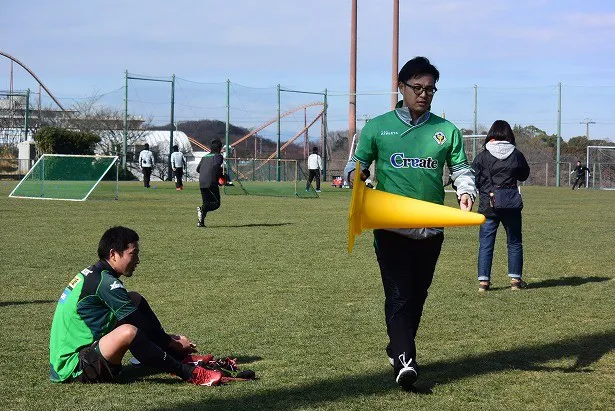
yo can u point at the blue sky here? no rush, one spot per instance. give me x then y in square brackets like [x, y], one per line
[516, 52]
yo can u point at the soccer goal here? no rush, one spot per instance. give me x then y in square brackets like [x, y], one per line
[601, 164]
[260, 177]
[68, 177]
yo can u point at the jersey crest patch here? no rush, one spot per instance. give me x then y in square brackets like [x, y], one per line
[440, 138]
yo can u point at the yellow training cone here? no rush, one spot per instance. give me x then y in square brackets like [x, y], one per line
[371, 209]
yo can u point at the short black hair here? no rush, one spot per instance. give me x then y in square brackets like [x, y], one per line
[216, 145]
[315, 150]
[175, 147]
[418, 66]
[500, 131]
[116, 238]
[146, 146]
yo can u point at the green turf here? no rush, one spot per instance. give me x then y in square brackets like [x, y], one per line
[269, 281]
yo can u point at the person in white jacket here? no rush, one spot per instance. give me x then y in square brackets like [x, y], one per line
[146, 161]
[178, 162]
[314, 169]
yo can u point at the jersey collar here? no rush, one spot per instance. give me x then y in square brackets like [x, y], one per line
[403, 113]
[107, 267]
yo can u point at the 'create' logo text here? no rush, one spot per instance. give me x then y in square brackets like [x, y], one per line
[398, 160]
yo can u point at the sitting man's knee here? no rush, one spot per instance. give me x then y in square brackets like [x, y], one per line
[126, 332]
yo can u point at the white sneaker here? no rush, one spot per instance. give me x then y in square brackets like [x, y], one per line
[318, 191]
[407, 376]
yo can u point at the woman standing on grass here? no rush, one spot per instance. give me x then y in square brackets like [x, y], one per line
[499, 167]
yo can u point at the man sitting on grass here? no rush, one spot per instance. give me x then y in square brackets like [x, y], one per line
[96, 321]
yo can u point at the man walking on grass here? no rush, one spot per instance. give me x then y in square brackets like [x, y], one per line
[314, 169]
[410, 146]
[146, 161]
[210, 172]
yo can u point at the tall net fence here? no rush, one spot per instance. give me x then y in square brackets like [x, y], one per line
[263, 119]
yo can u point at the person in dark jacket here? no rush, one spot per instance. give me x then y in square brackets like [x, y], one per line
[580, 170]
[500, 164]
[210, 171]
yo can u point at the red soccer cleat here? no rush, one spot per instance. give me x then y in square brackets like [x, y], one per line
[202, 376]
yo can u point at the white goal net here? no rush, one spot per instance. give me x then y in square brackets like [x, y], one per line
[601, 165]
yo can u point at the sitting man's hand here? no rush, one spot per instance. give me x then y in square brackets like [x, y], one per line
[183, 344]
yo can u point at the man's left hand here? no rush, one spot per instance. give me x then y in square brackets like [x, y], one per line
[183, 344]
[465, 202]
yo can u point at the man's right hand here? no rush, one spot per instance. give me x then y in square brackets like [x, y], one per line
[351, 177]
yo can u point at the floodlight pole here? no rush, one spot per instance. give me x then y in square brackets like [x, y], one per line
[352, 115]
[395, 56]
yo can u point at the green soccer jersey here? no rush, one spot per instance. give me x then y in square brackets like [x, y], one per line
[89, 308]
[410, 159]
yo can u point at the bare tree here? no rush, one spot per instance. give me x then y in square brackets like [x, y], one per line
[108, 123]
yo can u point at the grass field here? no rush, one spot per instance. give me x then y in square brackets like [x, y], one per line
[269, 281]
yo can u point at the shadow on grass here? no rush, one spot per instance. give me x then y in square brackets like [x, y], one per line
[558, 282]
[586, 349]
[7, 303]
[567, 281]
[251, 225]
[313, 395]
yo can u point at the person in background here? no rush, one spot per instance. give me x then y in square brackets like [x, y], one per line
[314, 163]
[146, 161]
[210, 171]
[97, 321]
[580, 170]
[500, 164]
[178, 162]
[411, 146]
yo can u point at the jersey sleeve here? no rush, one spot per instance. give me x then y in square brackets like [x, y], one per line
[366, 151]
[112, 292]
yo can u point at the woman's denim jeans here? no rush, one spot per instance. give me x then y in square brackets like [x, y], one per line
[512, 224]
